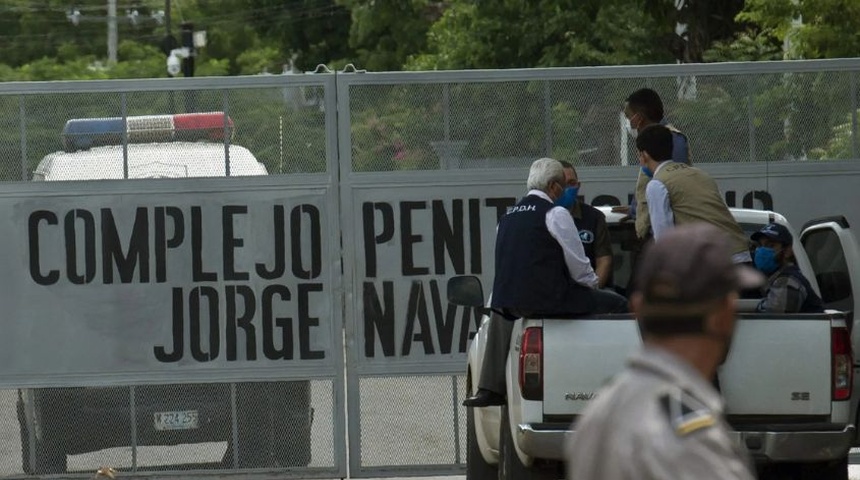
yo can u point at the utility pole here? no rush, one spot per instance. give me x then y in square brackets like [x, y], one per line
[111, 33]
[167, 17]
[186, 33]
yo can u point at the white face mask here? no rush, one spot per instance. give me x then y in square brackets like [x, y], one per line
[630, 130]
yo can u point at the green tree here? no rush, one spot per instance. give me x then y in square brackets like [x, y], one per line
[545, 33]
[384, 33]
[828, 28]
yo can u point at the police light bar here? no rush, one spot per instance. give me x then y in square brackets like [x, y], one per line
[85, 133]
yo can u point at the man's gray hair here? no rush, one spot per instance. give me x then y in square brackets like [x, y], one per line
[543, 172]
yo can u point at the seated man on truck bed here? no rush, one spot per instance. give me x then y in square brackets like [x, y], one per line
[787, 290]
[541, 269]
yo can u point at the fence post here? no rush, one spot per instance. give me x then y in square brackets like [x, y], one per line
[23, 122]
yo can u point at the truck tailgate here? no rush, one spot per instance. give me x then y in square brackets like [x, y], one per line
[778, 367]
[580, 356]
[775, 366]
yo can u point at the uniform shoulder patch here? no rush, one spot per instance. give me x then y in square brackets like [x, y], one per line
[685, 413]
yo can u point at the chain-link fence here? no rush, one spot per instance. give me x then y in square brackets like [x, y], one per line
[730, 112]
[104, 130]
[412, 171]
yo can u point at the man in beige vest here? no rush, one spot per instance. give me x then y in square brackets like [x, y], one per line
[642, 109]
[679, 194]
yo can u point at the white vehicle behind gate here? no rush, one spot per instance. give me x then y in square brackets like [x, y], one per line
[788, 380]
[273, 418]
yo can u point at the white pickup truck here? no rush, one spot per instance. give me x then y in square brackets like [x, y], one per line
[784, 395]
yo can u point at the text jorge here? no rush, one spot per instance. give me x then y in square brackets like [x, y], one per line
[90, 237]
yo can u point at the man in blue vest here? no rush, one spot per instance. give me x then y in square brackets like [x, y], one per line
[786, 290]
[541, 270]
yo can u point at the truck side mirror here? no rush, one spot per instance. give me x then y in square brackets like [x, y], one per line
[466, 291]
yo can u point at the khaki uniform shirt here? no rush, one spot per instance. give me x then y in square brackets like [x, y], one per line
[642, 221]
[658, 419]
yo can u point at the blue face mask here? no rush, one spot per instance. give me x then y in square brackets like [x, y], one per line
[647, 171]
[568, 197]
[765, 260]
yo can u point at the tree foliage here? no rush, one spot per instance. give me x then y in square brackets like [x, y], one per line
[815, 28]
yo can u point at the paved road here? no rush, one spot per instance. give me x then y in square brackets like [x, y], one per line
[408, 429]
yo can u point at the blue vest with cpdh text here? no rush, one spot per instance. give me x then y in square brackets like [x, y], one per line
[531, 276]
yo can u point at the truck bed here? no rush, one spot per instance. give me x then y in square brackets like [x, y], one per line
[777, 366]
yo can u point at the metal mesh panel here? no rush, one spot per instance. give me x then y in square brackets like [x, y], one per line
[287, 137]
[176, 427]
[808, 115]
[10, 139]
[715, 120]
[412, 420]
[393, 127]
[284, 136]
[585, 116]
[46, 115]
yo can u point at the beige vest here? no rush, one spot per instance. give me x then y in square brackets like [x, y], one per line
[694, 197]
[643, 219]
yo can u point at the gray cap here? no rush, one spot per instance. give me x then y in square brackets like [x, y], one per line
[688, 270]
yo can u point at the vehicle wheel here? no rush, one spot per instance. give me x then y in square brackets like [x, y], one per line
[50, 459]
[476, 467]
[510, 466]
[274, 424]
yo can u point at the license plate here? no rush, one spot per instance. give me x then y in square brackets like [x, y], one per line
[181, 420]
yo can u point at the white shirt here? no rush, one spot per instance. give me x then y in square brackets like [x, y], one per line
[659, 207]
[560, 224]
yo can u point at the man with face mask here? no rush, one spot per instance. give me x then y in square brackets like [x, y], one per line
[642, 109]
[540, 269]
[661, 417]
[786, 290]
[591, 224]
[679, 194]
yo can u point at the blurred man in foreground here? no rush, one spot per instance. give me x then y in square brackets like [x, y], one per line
[661, 417]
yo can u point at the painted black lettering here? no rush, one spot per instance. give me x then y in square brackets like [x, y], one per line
[313, 213]
[280, 265]
[475, 235]
[285, 324]
[138, 248]
[231, 242]
[378, 318]
[760, 195]
[605, 201]
[731, 200]
[306, 322]
[89, 233]
[444, 321]
[33, 222]
[197, 273]
[407, 239]
[501, 205]
[371, 238]
[466, 332]
[416, 310]
[178, 331]
[243, 321]
[448, 235]
[196, 297]
[162, 243]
